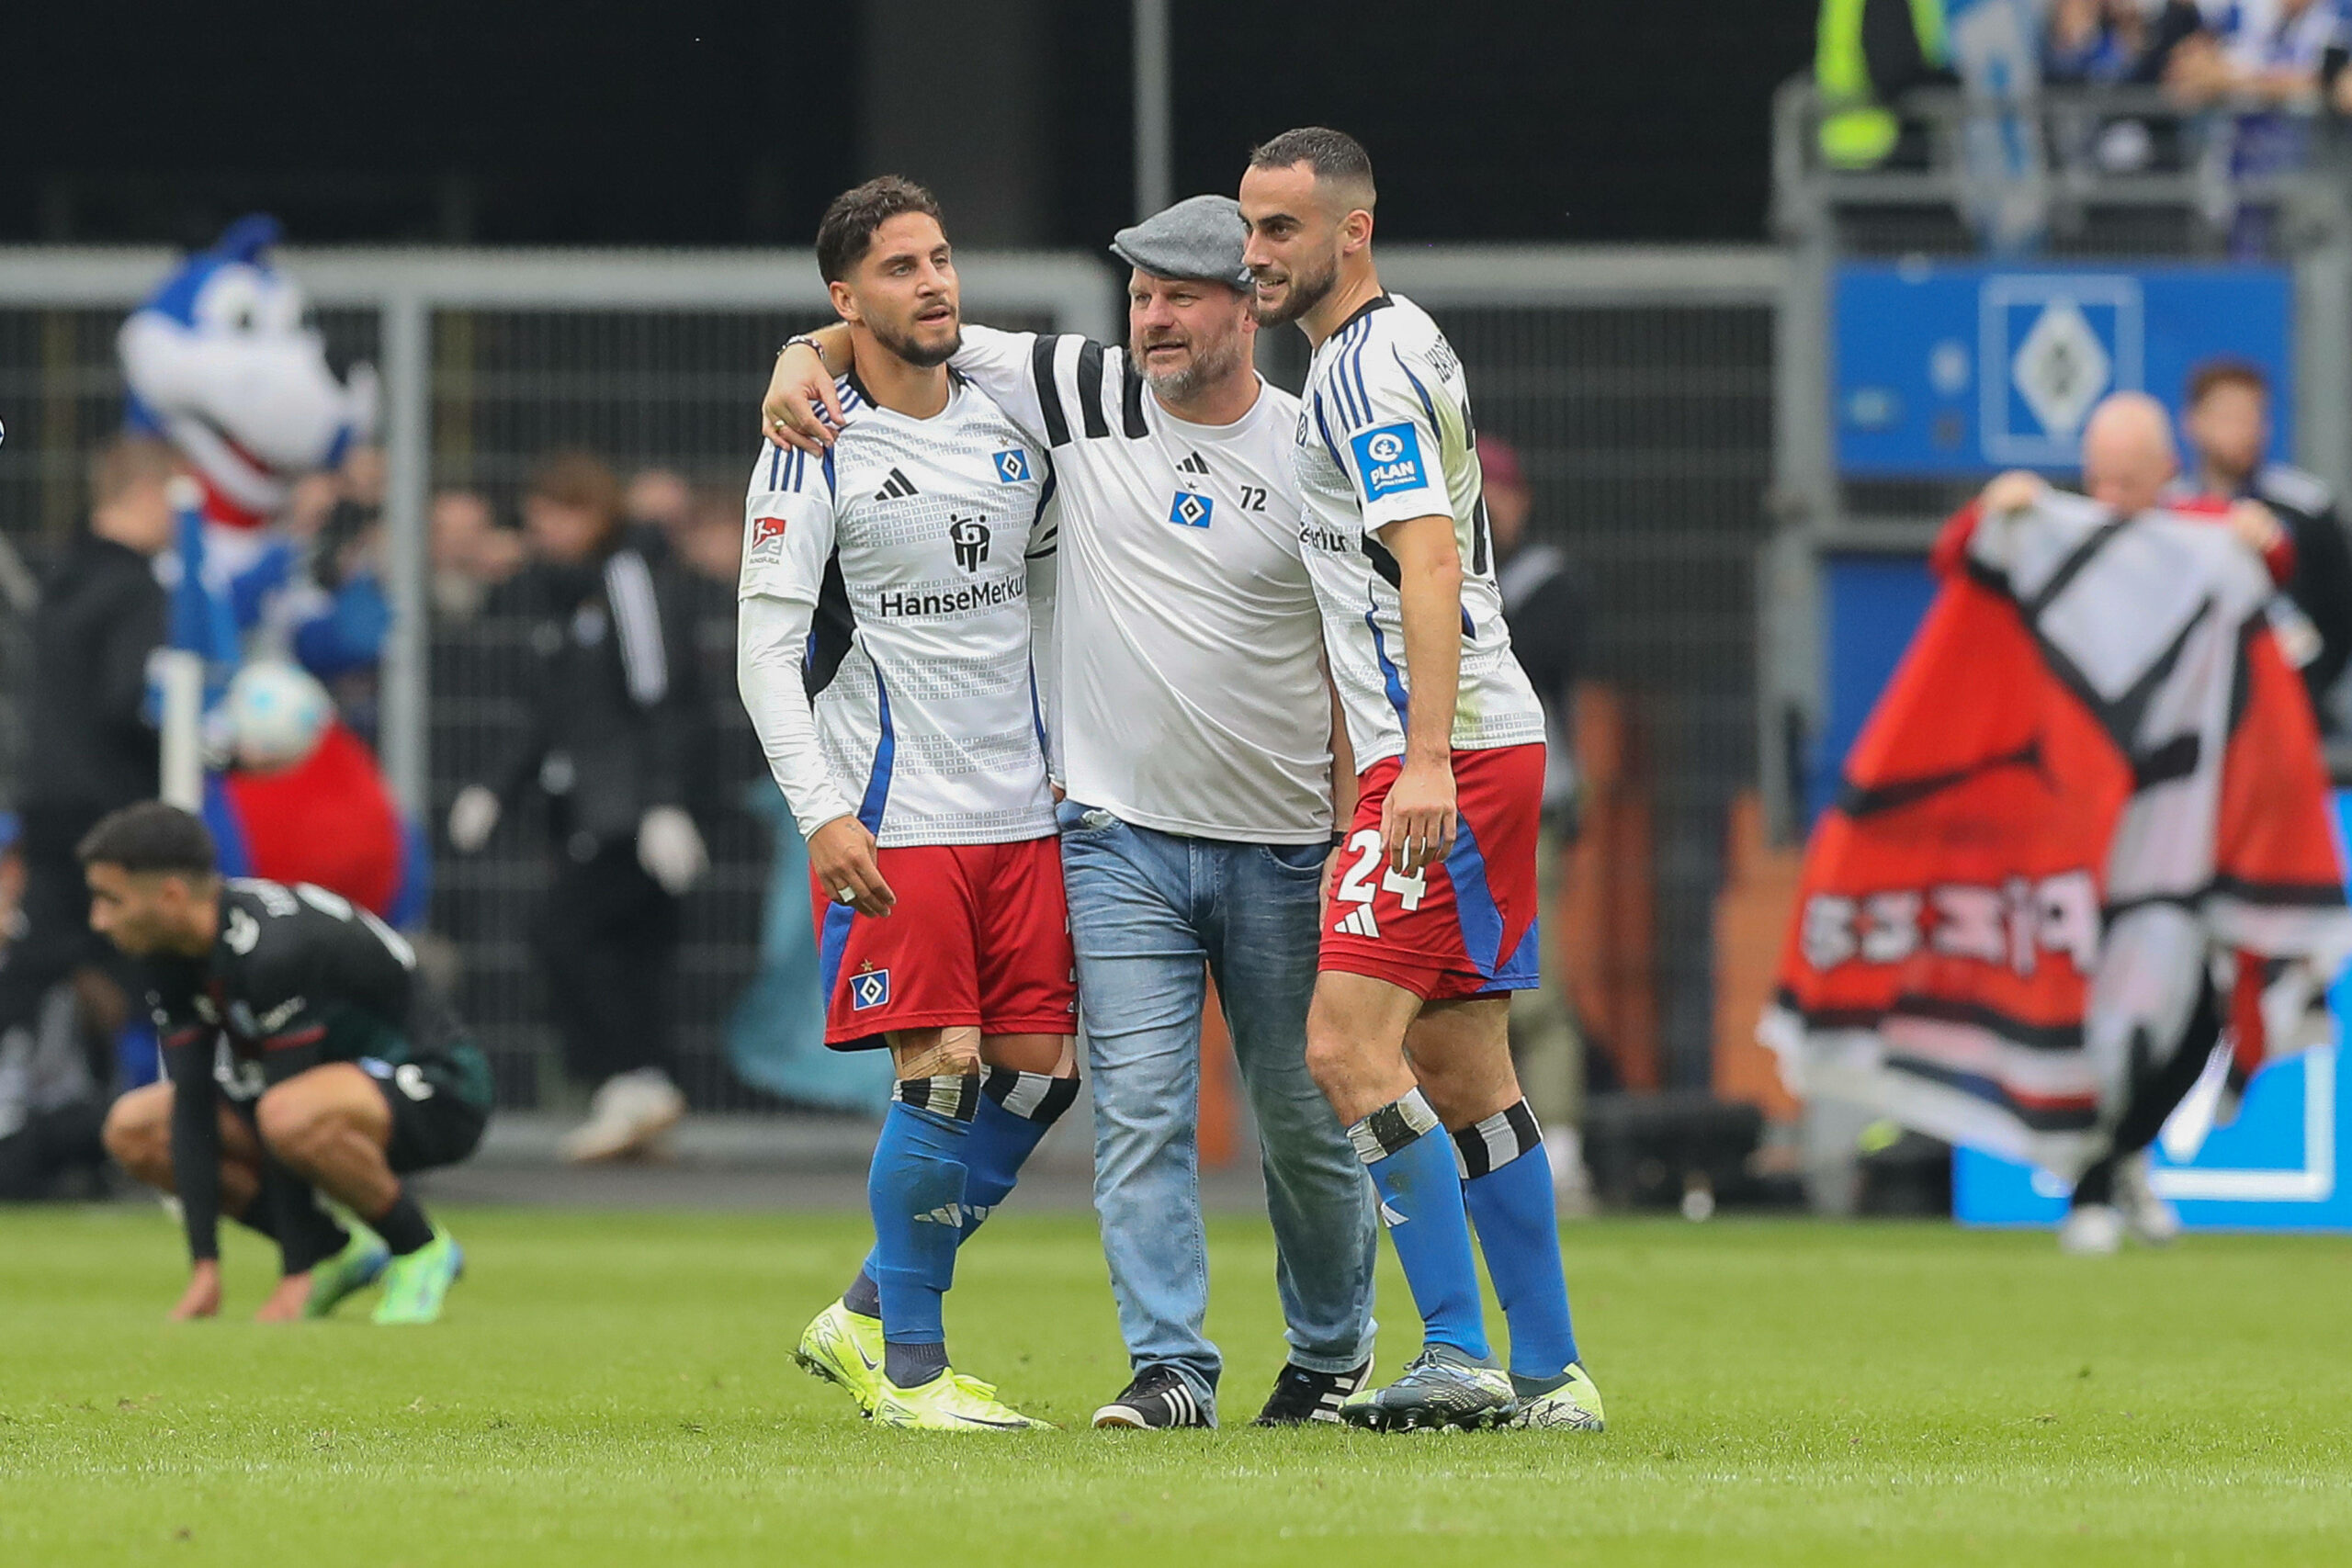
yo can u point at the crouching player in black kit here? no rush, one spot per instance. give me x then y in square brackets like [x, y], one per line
[301, 1050]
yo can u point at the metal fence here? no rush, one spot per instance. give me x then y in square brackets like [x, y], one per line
[1637, 384]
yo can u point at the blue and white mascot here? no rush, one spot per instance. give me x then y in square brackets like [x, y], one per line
[223, 362]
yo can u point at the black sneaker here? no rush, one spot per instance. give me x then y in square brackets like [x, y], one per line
[1158, 1398]
[1301, 1395]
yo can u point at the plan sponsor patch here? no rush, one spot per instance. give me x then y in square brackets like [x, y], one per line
[1389, 459]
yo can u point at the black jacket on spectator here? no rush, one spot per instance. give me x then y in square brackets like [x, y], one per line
[88, 750]
[1544, 605]
[2322, 586]
[89, 747]
[617, 723]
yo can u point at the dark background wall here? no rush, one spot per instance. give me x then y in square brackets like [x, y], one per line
[731, 121]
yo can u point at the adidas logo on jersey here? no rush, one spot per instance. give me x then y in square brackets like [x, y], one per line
[894, 488]
[1193, 463]
[1360, 923]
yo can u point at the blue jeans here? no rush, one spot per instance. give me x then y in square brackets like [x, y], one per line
[1146, 911]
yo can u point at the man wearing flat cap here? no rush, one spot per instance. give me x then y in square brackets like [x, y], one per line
[1194, 740]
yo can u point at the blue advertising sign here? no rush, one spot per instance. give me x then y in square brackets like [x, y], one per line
[1964, 369]
[2275, 1167]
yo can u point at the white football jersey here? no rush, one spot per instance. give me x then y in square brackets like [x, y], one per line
[889, 582]
[1385, 435]
[1191, 692]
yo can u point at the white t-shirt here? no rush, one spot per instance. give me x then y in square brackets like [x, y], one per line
[1386, 435]
[1191, 687]
[892, 581]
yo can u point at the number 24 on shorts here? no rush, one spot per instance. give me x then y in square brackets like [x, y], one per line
[1356, 887]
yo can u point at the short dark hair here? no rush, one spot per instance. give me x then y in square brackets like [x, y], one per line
[125, 463]
[1336, 157]
[2214, 374]
[846, 231]
[150, 837]
[573, 477]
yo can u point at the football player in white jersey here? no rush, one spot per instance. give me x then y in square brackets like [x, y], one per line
[1433, 924]
[884, 650]
[1194, 740]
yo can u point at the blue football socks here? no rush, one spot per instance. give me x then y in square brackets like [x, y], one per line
[916, 1191]
[1015, 1111]
[1517, 1216]
[1412, 1162]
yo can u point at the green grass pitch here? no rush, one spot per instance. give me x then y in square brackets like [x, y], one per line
[617, 1389]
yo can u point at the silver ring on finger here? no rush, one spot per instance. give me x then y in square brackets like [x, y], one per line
[845, 895]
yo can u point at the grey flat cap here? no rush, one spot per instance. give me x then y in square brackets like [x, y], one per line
[1200, 237]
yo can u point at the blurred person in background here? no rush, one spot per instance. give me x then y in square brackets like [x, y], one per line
[613, 746]
[90, 745]
[1545, 606]
[471, 554]
[2130, 465]
[2272, 51]
[2116, 43]
[712, 547]
[2264, 57]
[2227, 421]
[54, 1069]
[2119, 43]
[659, 509]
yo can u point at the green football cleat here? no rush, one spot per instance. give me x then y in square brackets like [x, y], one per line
[414, 1285]
[359, 1265]
[1440, 1388]
[846, 1347]
[1571, 1405]
[950, 1403]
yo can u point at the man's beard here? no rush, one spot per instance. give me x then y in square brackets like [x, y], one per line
[1207, 367]
[1307, 291]
[921, 355]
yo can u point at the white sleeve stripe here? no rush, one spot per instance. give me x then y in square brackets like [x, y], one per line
[631, 587]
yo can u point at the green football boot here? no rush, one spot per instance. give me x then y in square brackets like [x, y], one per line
[1442, 1387]
[359, 1265]
[951, 1402]
[1572, 1404]
[846, 1347]
[414, 1285]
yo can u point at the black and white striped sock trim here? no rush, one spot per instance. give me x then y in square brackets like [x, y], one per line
[1501, 1138]
[1392, 1127]
[1035, 1097]
[958, 1098]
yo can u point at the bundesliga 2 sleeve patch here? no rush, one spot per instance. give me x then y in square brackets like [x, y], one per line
[1389, 459]
[767, 538]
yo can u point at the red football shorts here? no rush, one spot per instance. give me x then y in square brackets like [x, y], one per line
[980, 938]
[1466, 928]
